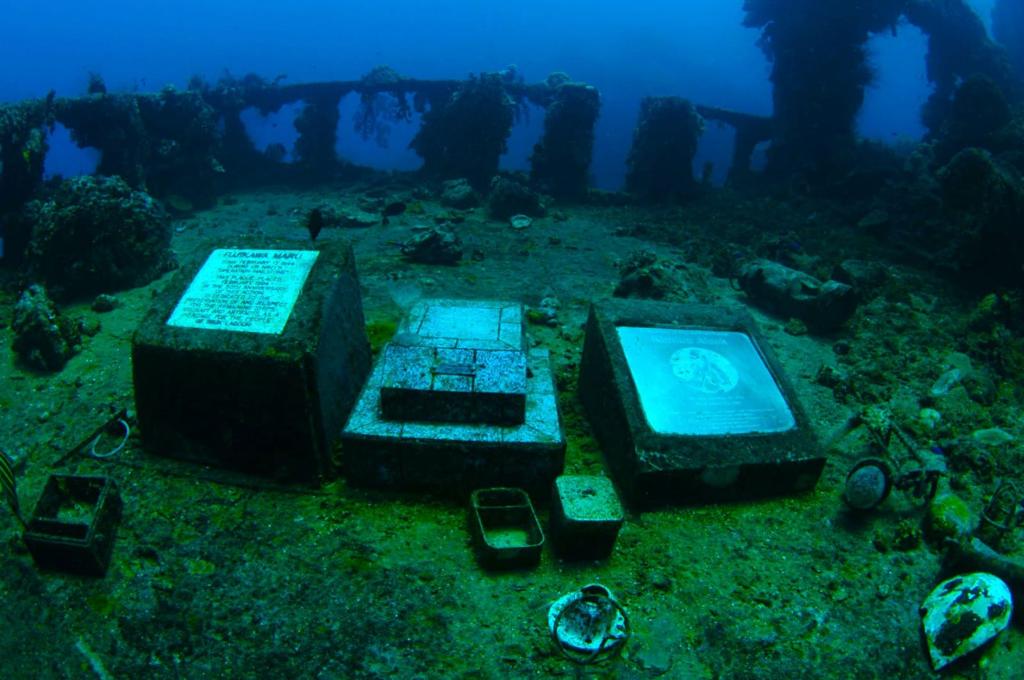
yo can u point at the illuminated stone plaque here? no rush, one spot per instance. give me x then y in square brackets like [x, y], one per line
[690, 406]
[244, 290]
[254, 360]
[703, 382]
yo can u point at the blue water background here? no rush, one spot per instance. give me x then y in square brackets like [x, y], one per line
[696, 49]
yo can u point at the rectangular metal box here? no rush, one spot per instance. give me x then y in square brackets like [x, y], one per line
[74, 524]
[505, 528]
[586, 516]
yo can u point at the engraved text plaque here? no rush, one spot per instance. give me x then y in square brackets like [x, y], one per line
[244, 290]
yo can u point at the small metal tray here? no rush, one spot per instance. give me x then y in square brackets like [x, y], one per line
[505, 528]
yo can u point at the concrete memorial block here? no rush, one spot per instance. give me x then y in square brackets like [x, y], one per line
[690, 406]
[254, 360]
[453, 384]
[456, 402]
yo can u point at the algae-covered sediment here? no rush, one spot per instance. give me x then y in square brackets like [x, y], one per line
[217, 574]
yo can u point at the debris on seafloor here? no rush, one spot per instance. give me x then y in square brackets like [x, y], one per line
[95, 235]
[589, 625]
[520, 222]
[946, 382]
[505, 528]
[116, 427]
[586, 516]
[327, 215]
[74, 524]
[356, 219]
[992, 436]
[9, 484]
[867, 484]
[870, 480]
[963, 613]
[822, 305]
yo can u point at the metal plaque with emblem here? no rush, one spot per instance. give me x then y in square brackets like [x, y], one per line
[703, 382]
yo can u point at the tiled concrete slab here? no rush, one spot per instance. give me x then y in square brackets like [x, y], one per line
[473, 324]
[453, 384]
[427, 417]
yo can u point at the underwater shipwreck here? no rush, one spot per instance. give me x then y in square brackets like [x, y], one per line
[269, 413]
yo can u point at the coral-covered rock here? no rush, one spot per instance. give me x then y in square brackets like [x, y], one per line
[642, 275]
[1008, 30]
[664, 144]
[974, 181]
[466, 135]
[561, 159]
[43, 339]
[979, 109]
[459, 194]
[168, 142]
[510, 197]
[985, 198]
[317, 127]
[948, 517]
[433, 245]
[95, 235]
[866, 276]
